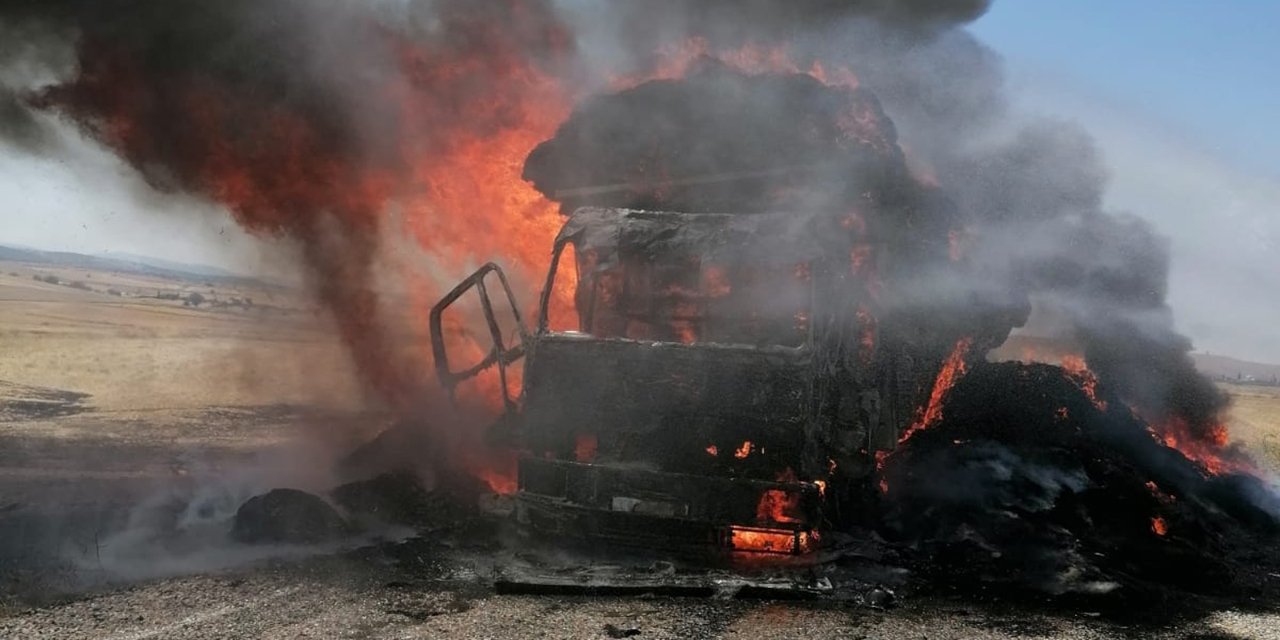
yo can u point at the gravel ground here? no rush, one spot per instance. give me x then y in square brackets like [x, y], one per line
[347, 597]
[46, 466]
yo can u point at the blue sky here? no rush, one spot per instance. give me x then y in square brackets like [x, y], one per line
[1182, 99]
[1211, 69]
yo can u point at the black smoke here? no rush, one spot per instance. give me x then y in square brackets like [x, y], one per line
[1033, 191]
[290, 113]
[1027, 197]
[169, 84]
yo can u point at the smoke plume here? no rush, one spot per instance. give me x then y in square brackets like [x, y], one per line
[294, 115]
[317, 120]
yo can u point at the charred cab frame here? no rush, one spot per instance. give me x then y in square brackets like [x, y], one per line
[750, 431]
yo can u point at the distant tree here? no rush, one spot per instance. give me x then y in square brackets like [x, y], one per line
[79, 285]
[195, 299]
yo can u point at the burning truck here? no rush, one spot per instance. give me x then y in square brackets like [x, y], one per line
[729, 375]
[705, 395]
[765, 318]
[758, 334]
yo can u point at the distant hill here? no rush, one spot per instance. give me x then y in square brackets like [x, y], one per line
[1228, 367]
[203, 270]
[122, 263]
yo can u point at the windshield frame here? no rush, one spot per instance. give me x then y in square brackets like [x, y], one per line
[544, 303]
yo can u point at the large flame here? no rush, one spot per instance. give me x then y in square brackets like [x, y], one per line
[1210, 450]
[1075, 367]
[952, 369]
[455, 118]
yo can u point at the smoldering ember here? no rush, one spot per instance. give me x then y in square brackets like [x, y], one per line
[756, 301]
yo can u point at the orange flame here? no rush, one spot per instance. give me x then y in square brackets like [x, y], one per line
[1075, 367]
[744, 450]
[1207, 451]
[460, 124]
[585, 447]
[777, 505]
[952, 370]
[473, 204]
[463, 199]
[771, 540]
[1159, 526]
[496, 469]
[716, 282]
[1175, 433]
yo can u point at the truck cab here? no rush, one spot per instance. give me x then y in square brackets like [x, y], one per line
[720, 381]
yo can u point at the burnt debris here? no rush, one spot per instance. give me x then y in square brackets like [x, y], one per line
[287, 516]
[1026, 480]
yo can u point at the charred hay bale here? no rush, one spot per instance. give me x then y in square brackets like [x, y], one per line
[1027, 479]
[287, 516]
[720, 140]
[392, 498]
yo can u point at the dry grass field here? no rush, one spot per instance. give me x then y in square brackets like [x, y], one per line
[132, 351]
[114, 389]
[1254, 419]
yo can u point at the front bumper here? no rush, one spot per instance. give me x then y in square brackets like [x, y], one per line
[653, 509]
